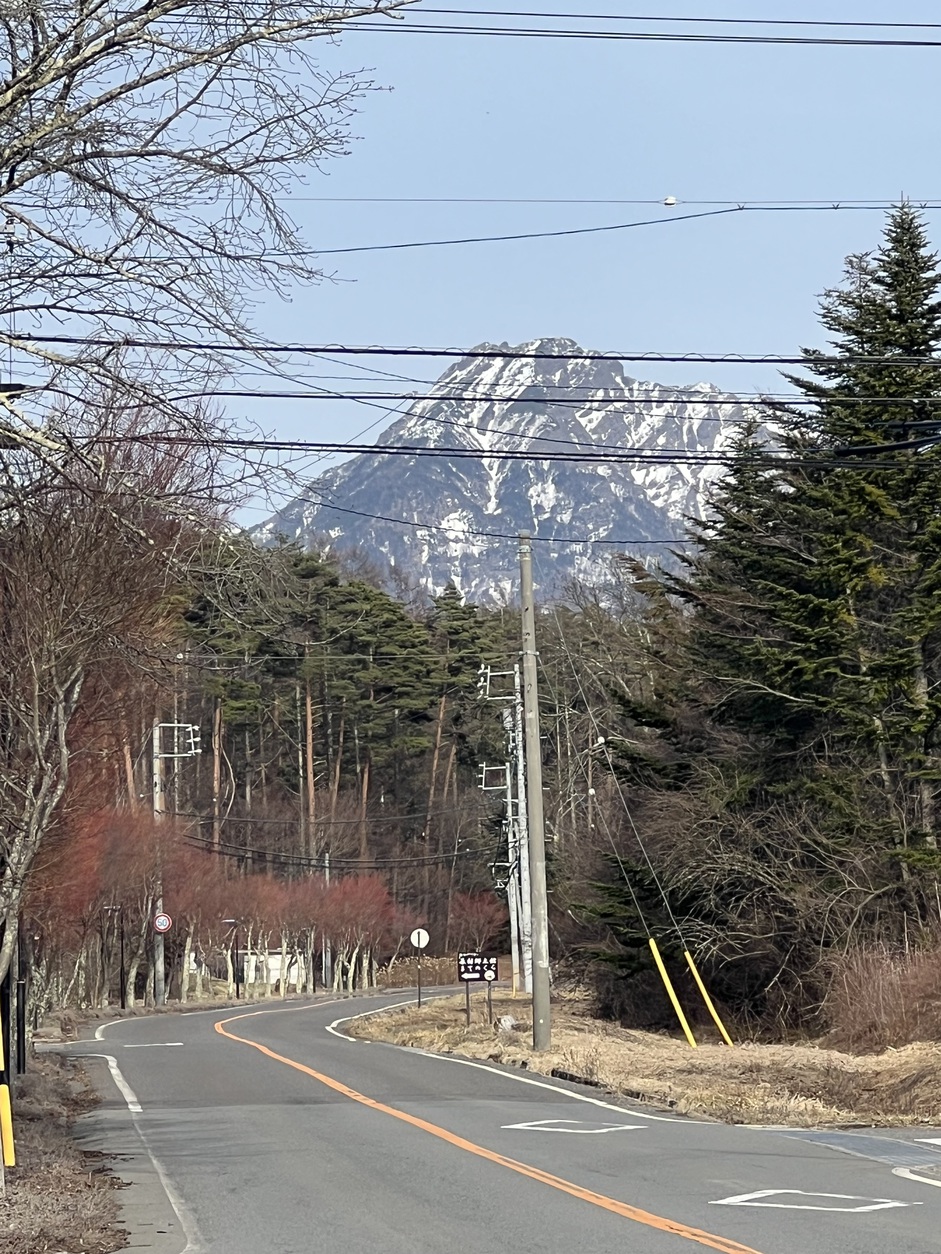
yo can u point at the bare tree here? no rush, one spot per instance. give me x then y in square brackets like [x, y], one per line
[92, 550]
[144, 148]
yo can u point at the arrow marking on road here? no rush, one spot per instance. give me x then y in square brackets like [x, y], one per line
[551, 1125]
[762, 1197]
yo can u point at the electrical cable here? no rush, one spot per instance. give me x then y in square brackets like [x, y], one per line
[481, 352]
[648, 37]
[604, 823]
[357, 822]
[601, 742]
[697, 21]
[494, 535]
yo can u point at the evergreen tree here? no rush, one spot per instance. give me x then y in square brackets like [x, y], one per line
[792, 725]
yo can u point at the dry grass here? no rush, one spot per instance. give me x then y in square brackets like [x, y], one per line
[798, 1085]
[880, 998]
[59, 1198]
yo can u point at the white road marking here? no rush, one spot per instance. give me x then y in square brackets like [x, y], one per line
[762, 1198]
[153, 1045]
[511, 1075]
[194, 1243]
[907, 1174]
[928, 1140]
[546, 1125]
[124, 1088]
[358, 1040]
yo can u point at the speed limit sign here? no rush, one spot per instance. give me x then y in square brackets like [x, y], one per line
[162, 922]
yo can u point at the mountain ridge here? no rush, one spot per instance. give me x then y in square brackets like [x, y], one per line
[500, 419]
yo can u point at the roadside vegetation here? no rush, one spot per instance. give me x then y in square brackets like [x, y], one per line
[798, 1085]
[61, 1197]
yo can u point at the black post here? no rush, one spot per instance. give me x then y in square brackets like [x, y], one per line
[235, 968]
[21, 987]
[6, 999]
[490, 1000]
[123, 997]
[418, 962]
[467, 1000]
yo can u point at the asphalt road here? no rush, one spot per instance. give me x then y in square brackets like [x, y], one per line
[268, 1132]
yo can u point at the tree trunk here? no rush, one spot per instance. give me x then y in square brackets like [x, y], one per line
[363, 802]
[432, 787]
[335, 789]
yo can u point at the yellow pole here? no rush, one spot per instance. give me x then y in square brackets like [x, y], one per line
[707, 999]
[672, 993]
[6, 1127]
[6, 1116]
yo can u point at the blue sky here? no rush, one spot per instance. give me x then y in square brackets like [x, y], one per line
[476, 117]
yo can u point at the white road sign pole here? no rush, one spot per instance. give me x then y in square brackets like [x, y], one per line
[419, 939]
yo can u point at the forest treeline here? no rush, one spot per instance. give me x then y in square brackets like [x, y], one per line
[741, 749]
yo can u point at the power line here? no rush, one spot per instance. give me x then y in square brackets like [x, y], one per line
[522, 235]
[494, 535]
[602, 743]
[636, 36]
[747, 202]
[607, 229]
[669, 457]
[230, 850]
[482, 352]
[370, 819]
[698, 21]
[729, 207]
[665, 395]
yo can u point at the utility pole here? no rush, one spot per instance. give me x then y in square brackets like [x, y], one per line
[190, 749]
[522, 833]
[326, 951]
[537, 840]
[160, 811]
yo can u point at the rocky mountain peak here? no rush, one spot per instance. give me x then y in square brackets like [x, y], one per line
[524, 428]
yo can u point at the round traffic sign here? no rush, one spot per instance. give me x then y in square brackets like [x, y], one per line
[419, 938]
[162, 922]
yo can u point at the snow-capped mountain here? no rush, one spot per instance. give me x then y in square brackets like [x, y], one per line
[448, 507]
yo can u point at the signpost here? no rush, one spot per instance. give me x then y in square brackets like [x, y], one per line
[419, 939]
[472, 969]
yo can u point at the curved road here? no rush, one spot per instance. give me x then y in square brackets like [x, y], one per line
[270, 1132]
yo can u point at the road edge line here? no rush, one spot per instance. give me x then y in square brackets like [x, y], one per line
[510, 1074]
[190, 1230]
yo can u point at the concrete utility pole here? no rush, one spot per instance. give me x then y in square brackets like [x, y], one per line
[522, 828]
[537, 841]
[160, 811]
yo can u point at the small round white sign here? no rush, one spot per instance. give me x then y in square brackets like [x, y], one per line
[419, 938]
[490, 974]
[162, 922]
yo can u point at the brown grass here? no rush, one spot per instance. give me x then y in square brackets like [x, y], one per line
[59, 1198]
[879, 998]
[797, 1085]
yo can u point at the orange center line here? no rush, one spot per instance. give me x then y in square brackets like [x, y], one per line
[724, 1244]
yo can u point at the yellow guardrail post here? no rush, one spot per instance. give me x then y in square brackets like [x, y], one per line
[707, 999]
[672, 993]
